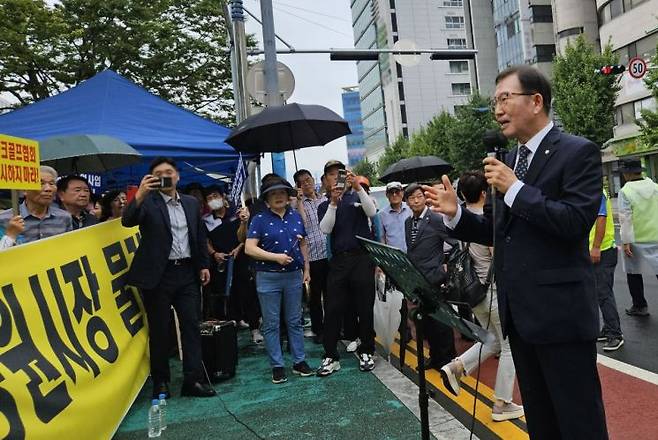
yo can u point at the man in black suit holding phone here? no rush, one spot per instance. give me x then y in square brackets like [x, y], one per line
[169, 265]
[548, 194]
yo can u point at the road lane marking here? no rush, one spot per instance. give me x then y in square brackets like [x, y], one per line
[628, 369]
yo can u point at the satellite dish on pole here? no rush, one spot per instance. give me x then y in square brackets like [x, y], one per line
[256, 81]
[406, 60]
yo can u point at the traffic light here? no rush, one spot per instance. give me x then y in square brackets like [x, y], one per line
[611, 70]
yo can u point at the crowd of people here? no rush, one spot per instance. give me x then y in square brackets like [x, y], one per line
[296, 246]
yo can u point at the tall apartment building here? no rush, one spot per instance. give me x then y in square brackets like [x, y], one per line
[524, 33]
[632, 28]
[352, 113]
[397, 100]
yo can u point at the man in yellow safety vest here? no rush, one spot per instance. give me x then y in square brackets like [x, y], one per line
[603, 253]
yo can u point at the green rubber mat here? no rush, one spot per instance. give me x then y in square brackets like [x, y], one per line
[346, 405]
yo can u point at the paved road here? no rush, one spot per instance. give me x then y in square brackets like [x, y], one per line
[640, 333]
[640, 347]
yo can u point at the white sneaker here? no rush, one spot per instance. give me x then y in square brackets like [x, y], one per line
[256, 336]
[327, 367]
[308, 333]
[352, 346]
[508, 411]
[366, 362]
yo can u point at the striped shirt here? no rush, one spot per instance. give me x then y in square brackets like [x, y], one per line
[415, 221]
[57, 221]
[317, 241]
[180, 244]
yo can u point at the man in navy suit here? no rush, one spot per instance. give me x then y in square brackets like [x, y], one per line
[425, 234]
[548, 194]
[169, 265]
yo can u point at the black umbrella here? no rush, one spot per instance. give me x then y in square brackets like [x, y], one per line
[287, 127]
[416, 169]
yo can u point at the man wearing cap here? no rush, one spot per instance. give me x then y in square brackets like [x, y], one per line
[394, 216]
[638, 211]
[277, 241]
[351, 272]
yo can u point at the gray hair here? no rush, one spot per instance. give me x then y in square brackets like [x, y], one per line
[48, 170]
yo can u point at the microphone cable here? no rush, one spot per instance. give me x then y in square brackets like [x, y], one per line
[494, 141]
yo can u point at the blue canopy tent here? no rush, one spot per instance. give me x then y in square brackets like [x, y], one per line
[111, 105]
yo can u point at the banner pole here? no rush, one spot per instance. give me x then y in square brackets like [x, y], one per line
[14, 201]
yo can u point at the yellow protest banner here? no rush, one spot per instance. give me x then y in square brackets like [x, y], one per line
[73, 338]
[19, 163]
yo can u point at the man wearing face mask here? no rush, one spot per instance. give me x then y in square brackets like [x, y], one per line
[223, 244]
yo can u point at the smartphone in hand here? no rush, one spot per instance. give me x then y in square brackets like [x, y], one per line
[166, 182]
[342, 176]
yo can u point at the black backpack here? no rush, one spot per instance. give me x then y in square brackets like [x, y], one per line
[463, 284]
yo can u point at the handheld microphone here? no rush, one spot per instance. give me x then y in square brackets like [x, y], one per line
[494, 141]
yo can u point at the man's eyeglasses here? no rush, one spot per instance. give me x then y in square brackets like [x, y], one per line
[503, 97]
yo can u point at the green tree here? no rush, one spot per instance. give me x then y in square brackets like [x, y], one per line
[367, 169]
[171, 47]
[432, 140]
[464, 135]
[393, 153]
[649, 121]
[585, 101]
[30, 49]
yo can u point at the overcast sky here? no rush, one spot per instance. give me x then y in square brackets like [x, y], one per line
[312, 24]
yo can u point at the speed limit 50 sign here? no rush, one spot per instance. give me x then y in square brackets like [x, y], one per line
[637, 67]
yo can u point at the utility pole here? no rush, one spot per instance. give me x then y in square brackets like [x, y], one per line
[239, 74]
[271, 75]
[240, 58]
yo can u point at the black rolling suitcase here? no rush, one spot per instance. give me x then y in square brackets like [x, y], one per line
[219, 348]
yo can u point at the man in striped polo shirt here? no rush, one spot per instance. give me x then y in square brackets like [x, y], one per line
[308, 201]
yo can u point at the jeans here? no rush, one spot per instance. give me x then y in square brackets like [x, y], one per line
[604, 278]
[494, 343]
[275, 288]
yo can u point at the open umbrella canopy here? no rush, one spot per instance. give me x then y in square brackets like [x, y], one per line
[416, 169]
[86, 153]
[287, 127]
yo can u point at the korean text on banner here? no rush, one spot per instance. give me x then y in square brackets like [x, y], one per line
[73, 337]
[238, 182]
[19, 163]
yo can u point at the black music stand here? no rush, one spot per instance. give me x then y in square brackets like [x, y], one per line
[429, 300]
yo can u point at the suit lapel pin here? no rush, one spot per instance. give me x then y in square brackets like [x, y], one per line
[547, 151]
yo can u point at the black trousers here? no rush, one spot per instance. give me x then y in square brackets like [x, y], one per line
[179, 287]
[243, 302]
[636, 289]
[560, 389]
[319, 271]
[349, 276]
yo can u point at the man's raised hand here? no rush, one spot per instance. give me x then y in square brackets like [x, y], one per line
[442, 197]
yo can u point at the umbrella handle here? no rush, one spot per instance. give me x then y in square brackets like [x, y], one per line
[294, 156]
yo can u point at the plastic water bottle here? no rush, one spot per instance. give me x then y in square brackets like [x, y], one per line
[163, 412]
[154, 419]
